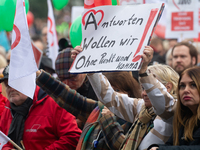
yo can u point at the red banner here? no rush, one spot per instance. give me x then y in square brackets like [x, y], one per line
[182, 21]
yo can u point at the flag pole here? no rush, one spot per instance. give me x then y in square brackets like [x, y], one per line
[15, 145]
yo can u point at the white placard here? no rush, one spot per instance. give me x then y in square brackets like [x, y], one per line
[182, 18]
[113, 37]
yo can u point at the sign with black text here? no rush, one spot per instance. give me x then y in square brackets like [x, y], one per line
[113, 37]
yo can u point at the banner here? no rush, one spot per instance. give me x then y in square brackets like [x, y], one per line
[52, 35]
[22, 62]
[114, 37]
[182, 19]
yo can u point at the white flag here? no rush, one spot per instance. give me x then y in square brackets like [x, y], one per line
[3, 139]
[51, 35]
[22, 63]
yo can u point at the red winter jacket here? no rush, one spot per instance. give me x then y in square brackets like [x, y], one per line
[2, 101]
[48, 126]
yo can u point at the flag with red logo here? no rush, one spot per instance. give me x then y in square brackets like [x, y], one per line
[3, 139]
[94, 3]
[52, 35]
[37, 54]
[22, 63]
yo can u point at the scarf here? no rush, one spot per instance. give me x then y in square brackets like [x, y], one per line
[139, 129]
[17, 125]
[90, 126]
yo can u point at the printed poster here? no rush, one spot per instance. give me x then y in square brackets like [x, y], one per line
[182, 18]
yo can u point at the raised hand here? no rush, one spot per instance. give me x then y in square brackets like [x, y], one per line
[147, 57]
[76, 51]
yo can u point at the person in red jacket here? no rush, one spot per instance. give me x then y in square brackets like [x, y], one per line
[2, 101]
[40, 123]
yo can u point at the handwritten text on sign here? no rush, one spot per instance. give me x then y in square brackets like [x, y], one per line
[114, 37]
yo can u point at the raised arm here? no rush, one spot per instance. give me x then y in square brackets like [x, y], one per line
[162, 102]
[67, 98]
[120, 104]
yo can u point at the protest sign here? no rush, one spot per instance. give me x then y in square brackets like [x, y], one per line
[161, 26]
[114, 37]
[198, 39]
[199, 15]
[182, 18]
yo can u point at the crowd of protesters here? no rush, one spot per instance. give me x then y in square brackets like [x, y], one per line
[154, 108]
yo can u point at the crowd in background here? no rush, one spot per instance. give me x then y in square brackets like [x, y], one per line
[156, 107]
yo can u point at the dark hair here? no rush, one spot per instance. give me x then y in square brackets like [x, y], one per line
[192, 49]
[125, 82]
